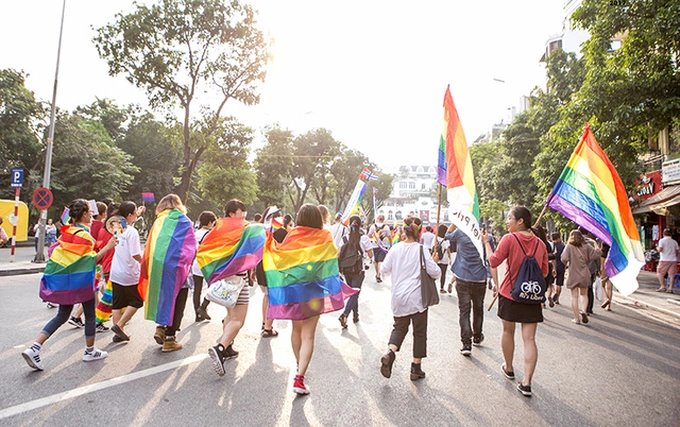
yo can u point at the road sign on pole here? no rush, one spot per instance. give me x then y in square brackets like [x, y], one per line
[14, 219]
[42, 198]
[17, 175]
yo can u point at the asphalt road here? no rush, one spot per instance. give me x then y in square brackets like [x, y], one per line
[622, 369]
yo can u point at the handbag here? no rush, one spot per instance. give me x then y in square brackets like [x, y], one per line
[225, 292]
[428, 287]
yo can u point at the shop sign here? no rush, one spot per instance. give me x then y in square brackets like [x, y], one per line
[670, 172]
[648, 185]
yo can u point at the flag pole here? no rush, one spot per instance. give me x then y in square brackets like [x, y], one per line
[439, 211]
[545, 208]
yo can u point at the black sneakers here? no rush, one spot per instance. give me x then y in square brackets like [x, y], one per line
[524, 389]
[229, 352]
[466, 350]
[76, 321]
[508, 374]
[216, 354]
[386, 362]
[416, 372]
[477, 341]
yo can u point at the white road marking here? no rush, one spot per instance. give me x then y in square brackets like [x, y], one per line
[55, 398]
[19, 346]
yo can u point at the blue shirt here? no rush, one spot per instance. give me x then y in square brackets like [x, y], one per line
[468, 265]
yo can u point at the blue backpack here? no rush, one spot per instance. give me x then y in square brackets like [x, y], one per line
[529, 287]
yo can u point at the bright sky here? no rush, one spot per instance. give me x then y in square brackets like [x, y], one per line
[373, 72]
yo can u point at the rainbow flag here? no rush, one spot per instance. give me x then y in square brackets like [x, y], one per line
[590, 193]
[354, 203]
[232, 247]
[302, 275]
[454, 172]
[65, 216]
[168, 255]
[103, 310]
[396, 236]
[69, 276]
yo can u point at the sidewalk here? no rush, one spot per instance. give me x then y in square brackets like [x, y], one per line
[23, 261]
[660, 305]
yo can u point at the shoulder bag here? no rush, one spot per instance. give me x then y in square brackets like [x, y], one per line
[428, 287]
[225, 292]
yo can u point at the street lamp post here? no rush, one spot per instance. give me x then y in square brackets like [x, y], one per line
[40, 253]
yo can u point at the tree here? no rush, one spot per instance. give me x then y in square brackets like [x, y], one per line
[86, 163]
[180, 48]
[226, 173]
[155, 151]
[21, 121]
[111, 116]
[273, 164]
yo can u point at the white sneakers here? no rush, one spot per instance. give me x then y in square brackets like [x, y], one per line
[32, 358]
[95, 354]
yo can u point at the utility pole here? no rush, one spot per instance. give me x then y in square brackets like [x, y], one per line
[40, 254]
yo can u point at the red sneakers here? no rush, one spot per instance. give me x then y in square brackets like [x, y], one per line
[299, 385]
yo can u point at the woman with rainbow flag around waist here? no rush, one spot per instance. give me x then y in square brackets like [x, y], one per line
[304, 282]
[69, 279]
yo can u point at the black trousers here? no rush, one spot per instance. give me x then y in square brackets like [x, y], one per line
[180, 303]
[470, 294]
[400, 329]
[442, 278]
[591, 295]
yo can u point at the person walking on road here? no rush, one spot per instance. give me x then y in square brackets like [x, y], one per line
[559, 269]
[69, 279]
[380, 233]
[470, 274]
[206, 221]
[125, 269]
[403, 261]
[513, 246]
[351, 265]
[668, 261]
[577, 256]
[442, 248]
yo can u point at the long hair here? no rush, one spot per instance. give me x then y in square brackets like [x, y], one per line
[355, 232]
[170, 201]
[576, 238]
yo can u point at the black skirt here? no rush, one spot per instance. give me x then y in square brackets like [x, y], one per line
[512, 311]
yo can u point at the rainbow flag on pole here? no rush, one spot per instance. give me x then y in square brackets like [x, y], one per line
[302, 275]
[69, 276]
[168, 255]
[454, 172]
[590, 193]
[232, 247]
[354, 203]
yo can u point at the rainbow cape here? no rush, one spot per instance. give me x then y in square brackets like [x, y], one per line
[590, 193]
[103, 310]
[69, 276]
[232, 247]
[454, 171]
[168, 255]
[302, 275]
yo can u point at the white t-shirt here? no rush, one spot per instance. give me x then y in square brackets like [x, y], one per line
[668, 249]
[125, 269]
[445, 248]
[200, 234]
[338, 231]
[427, 239]
[403, 261]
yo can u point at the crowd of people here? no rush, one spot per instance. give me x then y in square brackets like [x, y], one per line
[305, 267]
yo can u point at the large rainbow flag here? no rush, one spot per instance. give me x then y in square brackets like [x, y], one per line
[354, 204]
[69, 276]
[302, 275]
[454, 172]
[168, 255]
[232, 247]
[590, 193]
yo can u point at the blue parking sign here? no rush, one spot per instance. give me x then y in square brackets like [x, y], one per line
[17, 177]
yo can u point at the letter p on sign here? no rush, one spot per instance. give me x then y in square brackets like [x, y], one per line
[17, 175]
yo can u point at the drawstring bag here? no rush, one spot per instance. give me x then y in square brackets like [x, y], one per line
[225, 292]
[529, 287]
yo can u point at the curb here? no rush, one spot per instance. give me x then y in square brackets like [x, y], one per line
[20, 271]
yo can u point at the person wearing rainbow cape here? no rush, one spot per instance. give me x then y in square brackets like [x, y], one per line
[69, 279]
[304, 282]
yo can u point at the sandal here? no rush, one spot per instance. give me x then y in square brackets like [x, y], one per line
[269, 333]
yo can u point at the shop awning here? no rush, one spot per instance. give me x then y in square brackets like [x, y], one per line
[658, 203]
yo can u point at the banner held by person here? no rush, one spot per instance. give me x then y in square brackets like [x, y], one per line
[454, 172]
[357, 196]
[590, 192]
